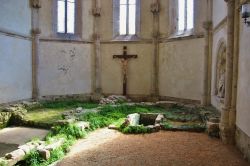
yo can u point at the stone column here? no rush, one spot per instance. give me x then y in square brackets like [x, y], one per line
[205, 90]
[232, 114]
[155, 9]
[97, 50]
[35, 6]
[227, 133]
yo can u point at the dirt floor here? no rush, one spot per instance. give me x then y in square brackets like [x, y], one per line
[162, 148]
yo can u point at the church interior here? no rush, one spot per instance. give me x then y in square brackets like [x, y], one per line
[125, 82]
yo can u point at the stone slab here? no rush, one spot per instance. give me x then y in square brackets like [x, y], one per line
[6, 148]
[12, 138]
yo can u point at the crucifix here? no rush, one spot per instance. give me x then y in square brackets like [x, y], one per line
[124, 59]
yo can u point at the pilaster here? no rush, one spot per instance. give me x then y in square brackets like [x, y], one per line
[205, 90]
[155, 9]
[227, 131]
[96, 11]
[35, 6]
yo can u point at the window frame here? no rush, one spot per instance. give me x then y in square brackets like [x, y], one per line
[77, 22]
[116, 22]
[185, 31]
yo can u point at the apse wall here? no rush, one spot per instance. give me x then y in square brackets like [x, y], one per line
[180, 65]
[243, 95]
[15, 51]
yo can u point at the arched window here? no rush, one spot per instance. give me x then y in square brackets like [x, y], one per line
[66, 16]
[126, 17]
[185, 15]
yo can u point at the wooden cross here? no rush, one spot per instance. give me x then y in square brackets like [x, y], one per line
[124, 59]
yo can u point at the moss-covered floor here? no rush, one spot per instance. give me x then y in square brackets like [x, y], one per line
[177, 116]
[50, 112]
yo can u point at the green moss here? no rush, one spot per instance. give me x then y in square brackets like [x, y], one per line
[51, 111]
[3, 162]
[109, 114]
[70, 133]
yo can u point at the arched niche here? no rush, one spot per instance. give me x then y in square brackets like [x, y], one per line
[220, 71]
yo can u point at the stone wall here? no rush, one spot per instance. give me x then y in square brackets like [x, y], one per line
[243, 95]
[15, 50]
[181, 69]
[243, 143]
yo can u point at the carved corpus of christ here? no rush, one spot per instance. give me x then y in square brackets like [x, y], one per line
[124, 60]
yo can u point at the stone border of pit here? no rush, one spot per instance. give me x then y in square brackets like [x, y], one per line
[43, 149]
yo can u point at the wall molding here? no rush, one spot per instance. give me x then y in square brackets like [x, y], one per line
[59, 40]
[140, 41]
[15, 34]
[220, 25]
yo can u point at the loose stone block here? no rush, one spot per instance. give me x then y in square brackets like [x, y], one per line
[26, 148]
[133, 119]
[55, 145]
[82, 125]
[16, 155]
[159, 118]
[113, 127]
[213, 129]
[65, 121]
[45, 154]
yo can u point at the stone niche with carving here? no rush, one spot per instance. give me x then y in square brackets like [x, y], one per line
[220, 72]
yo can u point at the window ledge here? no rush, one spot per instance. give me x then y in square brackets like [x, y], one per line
[185, 35]
[182, 34]
[67, 36]
[126, 38]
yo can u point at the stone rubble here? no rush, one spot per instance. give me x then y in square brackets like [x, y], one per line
[113, 99]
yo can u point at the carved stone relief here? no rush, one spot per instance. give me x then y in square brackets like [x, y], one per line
[220, 72]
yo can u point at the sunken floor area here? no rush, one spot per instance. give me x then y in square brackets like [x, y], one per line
[162, 148]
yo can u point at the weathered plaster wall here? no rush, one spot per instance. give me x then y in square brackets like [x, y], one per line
[219, 11]
[15, 16]
[64, 69]
[15, 51]
[243, 105]
[181, 69]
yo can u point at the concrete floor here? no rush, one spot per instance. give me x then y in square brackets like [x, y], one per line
[11, 138]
